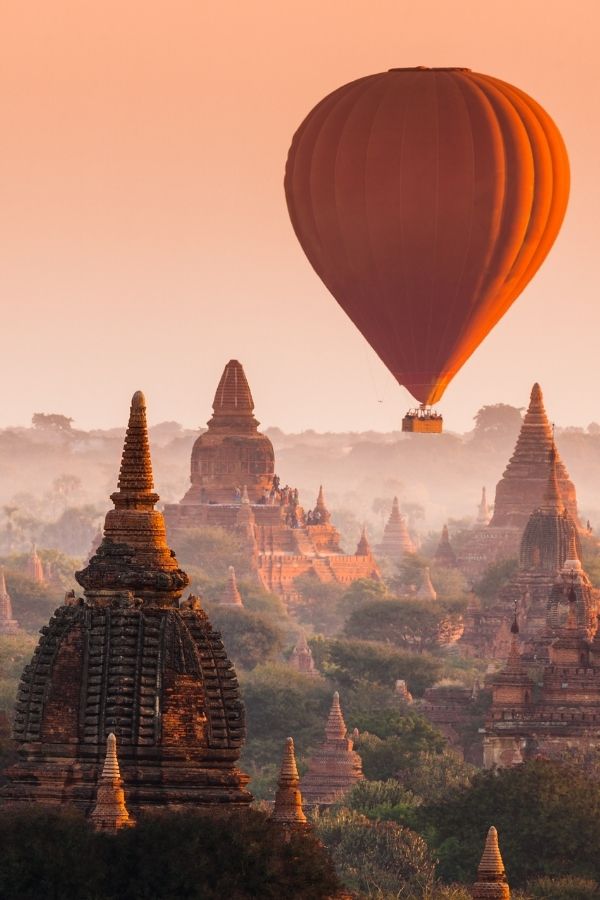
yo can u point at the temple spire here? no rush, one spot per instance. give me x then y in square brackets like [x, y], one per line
[491, 877]
[483, 512]
[287, 809]
[336, 727]
[136, 482]
[233, 396]
[396, 540]
[110, 813]
[335, 766]
[134, 558]
[35, 567]
[231, 595]
[444, 555]
[321, 512]
[552, 501]
[8, 625]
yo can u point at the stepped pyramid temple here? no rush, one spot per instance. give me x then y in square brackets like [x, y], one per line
[396, 541]
[8, 625]
[287, 808]
[491, 881]
[563, 717]
[335, 767]
[549, 566]
[519, 492]
[130, 659]
[234, 486]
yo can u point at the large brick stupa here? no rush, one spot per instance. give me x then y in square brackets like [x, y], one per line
[129, 659]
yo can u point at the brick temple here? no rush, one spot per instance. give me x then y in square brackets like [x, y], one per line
[562, 716]
[549, 567]
[234, 486]
[129, 658]
[519, 491]
[396, 541]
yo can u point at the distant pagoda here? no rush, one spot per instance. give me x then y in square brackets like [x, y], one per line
[34, 567]
[234, 487]
[287, 809]
[335, 767]
[445, 555]
[130, 660]
[396, 541]
[8, 624]
[483, 511]
[522, 486]
[231, 595]
[491, 881]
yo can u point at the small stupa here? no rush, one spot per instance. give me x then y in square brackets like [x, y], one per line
[302, 657]
[483, 511]
[363, 548]
[491, 881]
[8, 624]
[35, 567]
[396, 541]
[110, 812]
[288, 800]
[231, 595]
[426, 590]
[445, 555]
[335, 767]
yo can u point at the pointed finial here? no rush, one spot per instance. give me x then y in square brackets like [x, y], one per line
[363, 547]
[231, 596]
[427, 590]
[336, 727]
[536, 397]
[233, 396]
[288, 800]
[491, 876]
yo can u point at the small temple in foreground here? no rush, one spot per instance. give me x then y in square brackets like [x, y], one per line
[234, 486]
[287, 809]
[110, 812]
[520, 491]
[335, 767]
[130, 658]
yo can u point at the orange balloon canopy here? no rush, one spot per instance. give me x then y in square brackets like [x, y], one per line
[425, 200]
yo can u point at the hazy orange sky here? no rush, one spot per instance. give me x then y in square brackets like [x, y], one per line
[144, 234]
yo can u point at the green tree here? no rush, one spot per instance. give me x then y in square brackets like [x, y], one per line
[250, 638]
[376, 858]
[411, 624]
[363, 590]
[352, 661]
[499, 420]
[494, 578]
[547, 816]
[391, 756]
[56, 855]
[211, 550]
[318, 604]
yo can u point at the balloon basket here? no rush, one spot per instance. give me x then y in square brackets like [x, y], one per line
[423, 420]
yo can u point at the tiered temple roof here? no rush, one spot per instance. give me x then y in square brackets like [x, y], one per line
[287, 809]
[521, 488]
[110, 812]
[8, 624]
[396, 541]
[335, 767]
[129, 659]
[491, 881]
[363, 548]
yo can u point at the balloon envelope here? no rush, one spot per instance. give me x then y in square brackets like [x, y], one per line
[425, 200]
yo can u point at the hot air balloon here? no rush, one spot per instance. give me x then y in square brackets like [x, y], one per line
[426, 200]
